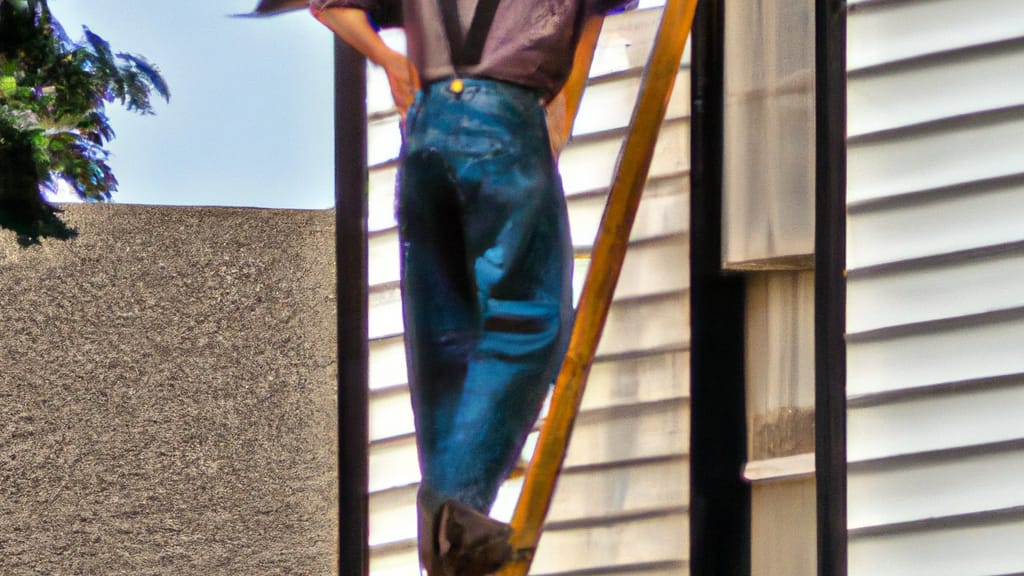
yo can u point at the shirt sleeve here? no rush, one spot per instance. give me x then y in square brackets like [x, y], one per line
[383, 13]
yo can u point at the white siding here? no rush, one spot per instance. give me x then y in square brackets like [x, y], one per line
[935, 309]
[622, 503]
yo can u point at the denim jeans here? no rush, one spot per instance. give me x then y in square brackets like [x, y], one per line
[486, 280]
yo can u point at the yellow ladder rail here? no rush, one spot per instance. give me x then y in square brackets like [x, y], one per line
[572, 92]
[606, 264]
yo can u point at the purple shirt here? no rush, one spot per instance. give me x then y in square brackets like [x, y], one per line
[531, 42]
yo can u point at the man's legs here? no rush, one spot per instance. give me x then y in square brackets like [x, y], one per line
[486, 284]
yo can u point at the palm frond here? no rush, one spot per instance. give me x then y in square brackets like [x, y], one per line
[82, 164]
[58, 31]
[96, 127]
[101, 48]
[136, 91]
[149, 71]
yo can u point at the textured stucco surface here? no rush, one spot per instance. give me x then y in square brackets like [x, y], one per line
[167, 394]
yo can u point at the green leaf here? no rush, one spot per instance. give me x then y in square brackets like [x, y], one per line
[8, 84]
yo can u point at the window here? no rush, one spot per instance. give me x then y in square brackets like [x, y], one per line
[768, 155]
[768, 230]
[780, 422]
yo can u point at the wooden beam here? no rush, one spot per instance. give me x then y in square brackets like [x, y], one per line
[720, 500]
[830, 285]
[350, 183]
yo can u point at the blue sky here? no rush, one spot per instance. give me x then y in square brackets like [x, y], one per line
[250, 121]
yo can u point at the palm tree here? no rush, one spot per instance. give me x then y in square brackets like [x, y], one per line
[53, 125]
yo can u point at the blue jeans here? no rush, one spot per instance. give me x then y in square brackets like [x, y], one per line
[486, 281]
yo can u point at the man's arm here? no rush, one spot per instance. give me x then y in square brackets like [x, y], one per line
[353, 26]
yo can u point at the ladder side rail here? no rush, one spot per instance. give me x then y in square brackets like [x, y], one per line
[606, 264]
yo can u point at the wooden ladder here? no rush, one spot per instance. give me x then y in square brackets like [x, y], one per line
[606, 263]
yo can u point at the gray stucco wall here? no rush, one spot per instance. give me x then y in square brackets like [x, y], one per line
[167, 394]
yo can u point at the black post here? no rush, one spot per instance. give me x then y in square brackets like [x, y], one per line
[351, 264]
[719, 497]
[830, 286]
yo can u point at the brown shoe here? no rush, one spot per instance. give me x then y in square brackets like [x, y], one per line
[429, 514]
[470, 543]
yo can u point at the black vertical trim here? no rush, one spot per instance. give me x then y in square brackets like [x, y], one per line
[719, 498]
[350, 252]
[830, 286]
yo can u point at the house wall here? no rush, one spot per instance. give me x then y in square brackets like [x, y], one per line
[622, 502]
[935, 306]
[168, 394]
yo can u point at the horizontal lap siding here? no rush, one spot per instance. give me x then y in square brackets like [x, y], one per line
[622, 502]
[935, 310]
